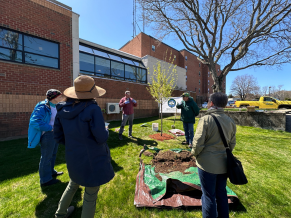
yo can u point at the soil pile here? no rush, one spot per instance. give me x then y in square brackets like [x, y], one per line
[158, 136]
[169, 161]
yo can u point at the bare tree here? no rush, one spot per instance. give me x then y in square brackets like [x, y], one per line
[264, 90]
[238, 34]
[245, 85]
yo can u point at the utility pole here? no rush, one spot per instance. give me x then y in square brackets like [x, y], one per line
[269, 91]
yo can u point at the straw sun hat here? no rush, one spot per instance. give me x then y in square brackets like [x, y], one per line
[84, 88]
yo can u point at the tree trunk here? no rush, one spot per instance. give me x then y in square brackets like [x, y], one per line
[161, 119]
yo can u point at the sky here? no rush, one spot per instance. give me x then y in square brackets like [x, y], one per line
[109, 23]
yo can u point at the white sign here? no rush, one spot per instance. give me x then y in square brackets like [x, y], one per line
[169, 105]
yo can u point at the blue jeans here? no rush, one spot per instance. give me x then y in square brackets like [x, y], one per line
[48, 149]
[189, 132]
[214, 196]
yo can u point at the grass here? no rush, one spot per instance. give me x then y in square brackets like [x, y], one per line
[265, 155]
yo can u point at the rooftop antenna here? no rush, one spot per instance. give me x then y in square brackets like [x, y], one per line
[133, 23]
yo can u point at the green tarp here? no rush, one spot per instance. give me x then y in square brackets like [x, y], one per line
[158, 188]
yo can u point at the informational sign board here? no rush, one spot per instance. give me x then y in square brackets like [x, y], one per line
[169, 105]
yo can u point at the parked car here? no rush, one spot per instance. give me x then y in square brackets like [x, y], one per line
[265, 102]
[231, 103]
[204, 105]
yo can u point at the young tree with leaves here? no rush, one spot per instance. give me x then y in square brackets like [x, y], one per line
[162, 84]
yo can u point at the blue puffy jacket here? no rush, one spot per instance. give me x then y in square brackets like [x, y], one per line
[81, 128]
[38, 123]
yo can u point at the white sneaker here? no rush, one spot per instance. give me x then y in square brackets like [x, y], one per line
[190, 146]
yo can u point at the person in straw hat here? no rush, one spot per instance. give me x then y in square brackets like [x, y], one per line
[80, 126]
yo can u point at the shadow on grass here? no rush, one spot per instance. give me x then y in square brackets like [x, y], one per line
[49, 205]
[16, 160]
[114, 142]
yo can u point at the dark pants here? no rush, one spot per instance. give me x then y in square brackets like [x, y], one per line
[189, 132]
[214, 196]
[48, 149]
[126, 118]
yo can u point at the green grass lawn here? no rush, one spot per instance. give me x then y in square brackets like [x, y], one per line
[265, 156]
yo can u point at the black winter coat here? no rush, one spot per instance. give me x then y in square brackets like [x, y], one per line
[81, 128]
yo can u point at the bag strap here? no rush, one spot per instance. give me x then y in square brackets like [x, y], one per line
[220, 131]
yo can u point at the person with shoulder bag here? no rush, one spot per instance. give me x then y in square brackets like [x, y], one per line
[81, 128]
[211, 157]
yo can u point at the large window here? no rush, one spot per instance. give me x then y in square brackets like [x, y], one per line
[104, 64]
[22, 48]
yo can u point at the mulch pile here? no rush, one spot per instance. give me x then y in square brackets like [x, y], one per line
[158, 136]
[169, 161]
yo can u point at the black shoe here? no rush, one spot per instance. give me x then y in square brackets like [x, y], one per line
[120, 137]
[52, 182]
[57, 174]
[70, 210]
[185, 143]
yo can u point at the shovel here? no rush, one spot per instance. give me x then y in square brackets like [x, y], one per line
[173, 126]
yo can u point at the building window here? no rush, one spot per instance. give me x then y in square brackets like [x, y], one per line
[153, 48]
[186, 78]
[208, 90]
[199, 90]
[218, 70]
[199, 64]
[27, 49]
[102, 64]
[199, 73]
[199, 82]
[174, 57]
[186, 68]
[186, 58]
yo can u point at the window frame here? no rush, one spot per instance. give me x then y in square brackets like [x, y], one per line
[26, 52]
[153, 48]
[124, 78]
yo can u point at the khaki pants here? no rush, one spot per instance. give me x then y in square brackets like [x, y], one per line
[89, 203]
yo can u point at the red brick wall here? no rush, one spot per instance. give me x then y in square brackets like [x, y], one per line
[134, 46]
[45, 20]
[192, 73]
[146, 107]
[141, 46]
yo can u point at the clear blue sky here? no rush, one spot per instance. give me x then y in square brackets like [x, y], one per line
[109, 23]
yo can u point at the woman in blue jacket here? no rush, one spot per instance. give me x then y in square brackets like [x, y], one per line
[80, 127]
[40, 132]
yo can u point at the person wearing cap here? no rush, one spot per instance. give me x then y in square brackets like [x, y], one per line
[81, 128]
[127, 103]
[189, 110]
[40, 132]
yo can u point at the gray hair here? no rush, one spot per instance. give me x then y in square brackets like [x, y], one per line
[219, 99]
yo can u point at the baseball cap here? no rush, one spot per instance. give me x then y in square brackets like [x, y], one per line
[185, 94]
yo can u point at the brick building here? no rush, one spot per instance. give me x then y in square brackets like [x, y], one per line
[40, 49]
[198, 78]
[35, 55]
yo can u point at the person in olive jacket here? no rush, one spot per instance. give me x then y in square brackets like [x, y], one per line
[80, 126]
[189, 110]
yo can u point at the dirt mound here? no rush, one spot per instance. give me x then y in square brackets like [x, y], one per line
[158, 136]
[169, 161]
[148, 154]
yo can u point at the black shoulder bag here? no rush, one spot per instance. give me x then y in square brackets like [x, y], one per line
[235, 170]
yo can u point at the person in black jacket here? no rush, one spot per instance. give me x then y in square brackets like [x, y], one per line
[189, 110]
[80, 126]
